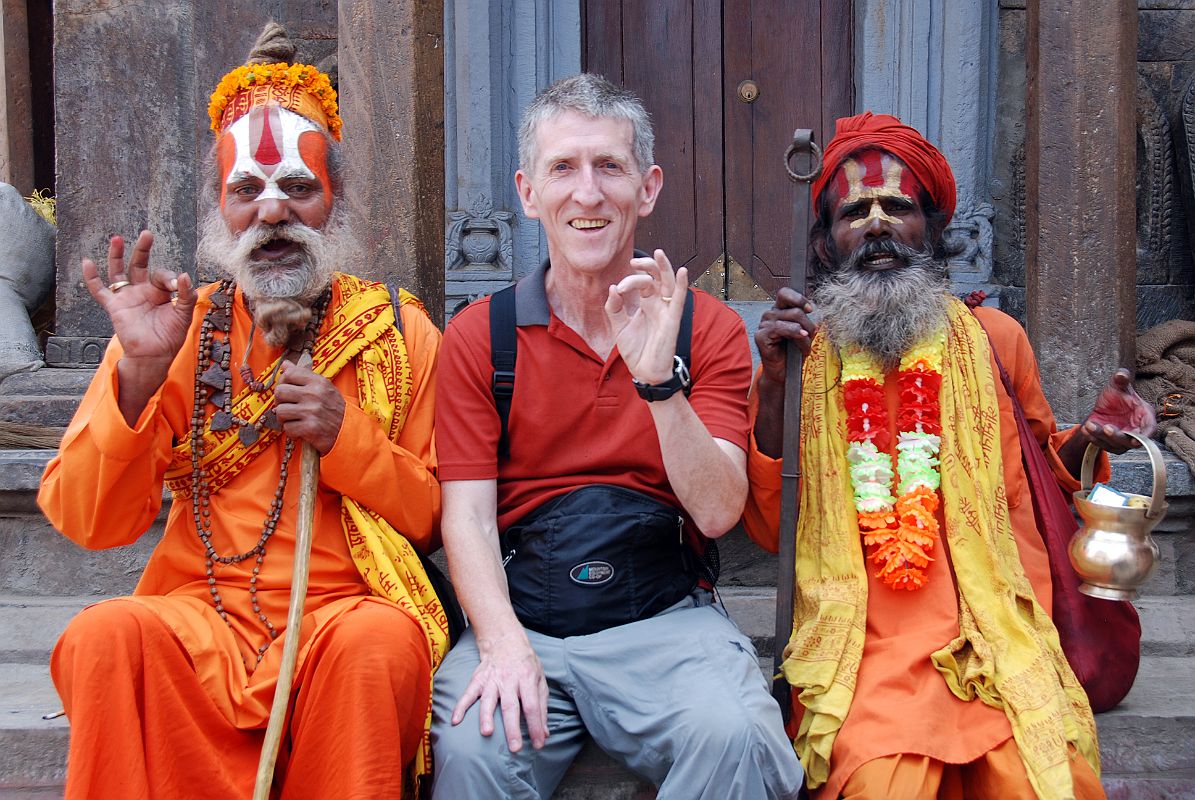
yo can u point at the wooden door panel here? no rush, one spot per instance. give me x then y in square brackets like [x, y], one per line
[798, 52]
[669, 53]
[725, 189]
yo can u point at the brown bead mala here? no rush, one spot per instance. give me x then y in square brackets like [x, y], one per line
[214, 377]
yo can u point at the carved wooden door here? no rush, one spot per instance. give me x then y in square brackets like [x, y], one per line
[726, 83]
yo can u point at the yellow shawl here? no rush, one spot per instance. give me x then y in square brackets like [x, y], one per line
[1007, 652]
[359, 330]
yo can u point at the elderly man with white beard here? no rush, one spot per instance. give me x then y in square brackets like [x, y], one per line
[924, 662]
[169, 690]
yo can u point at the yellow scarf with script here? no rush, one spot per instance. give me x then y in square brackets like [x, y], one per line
[359, 330]
[1007, 652]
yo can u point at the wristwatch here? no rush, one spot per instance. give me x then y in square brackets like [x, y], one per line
[679, 381]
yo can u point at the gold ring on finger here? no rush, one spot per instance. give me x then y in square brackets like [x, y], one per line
[116, 286]
[665, 297]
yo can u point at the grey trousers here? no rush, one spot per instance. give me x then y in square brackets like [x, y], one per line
[678, 698]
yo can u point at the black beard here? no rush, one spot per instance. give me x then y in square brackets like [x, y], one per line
[883, 312]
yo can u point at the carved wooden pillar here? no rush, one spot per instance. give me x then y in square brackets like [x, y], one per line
[16, 122]
[1080, 215]
[391, 62]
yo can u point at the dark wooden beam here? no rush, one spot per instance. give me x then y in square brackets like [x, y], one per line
[16, 120]
[1080, 213]
[391, 61]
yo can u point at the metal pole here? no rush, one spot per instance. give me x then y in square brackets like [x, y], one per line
[809, 166]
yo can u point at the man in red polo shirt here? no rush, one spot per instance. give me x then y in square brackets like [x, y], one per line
[574, 540]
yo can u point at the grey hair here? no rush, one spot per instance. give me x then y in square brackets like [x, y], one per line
[593, 96]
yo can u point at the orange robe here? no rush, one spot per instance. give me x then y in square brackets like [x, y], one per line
[104, 489]
[901, 702]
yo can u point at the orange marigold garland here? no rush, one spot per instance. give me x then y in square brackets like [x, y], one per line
[899, 531]
[308, 78]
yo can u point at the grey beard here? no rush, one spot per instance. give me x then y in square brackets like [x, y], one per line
[884, 312]
[281, 292]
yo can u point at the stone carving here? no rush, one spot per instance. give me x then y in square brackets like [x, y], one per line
[1188, 118]
[480, 239]
[75, 352]
[968, 239]
[455, 302]
[1155, 188]
[26, 280]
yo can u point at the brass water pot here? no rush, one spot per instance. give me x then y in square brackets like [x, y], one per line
[1112, 550]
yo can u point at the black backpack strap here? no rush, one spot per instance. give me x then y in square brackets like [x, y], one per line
[684, 338]
[503, 351]
[394, 303]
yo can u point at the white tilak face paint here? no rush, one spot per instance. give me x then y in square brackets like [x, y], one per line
[267, 148]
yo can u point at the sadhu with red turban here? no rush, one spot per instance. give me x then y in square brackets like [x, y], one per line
[923, 587]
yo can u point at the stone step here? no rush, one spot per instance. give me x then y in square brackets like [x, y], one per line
[1153, 730]
[49, 410]
[35, 559]
[32, 750]
[49, 381]
[1167, 621]
[30, 625]
[1147, 744]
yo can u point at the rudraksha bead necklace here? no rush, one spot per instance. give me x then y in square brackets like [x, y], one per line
[214, 377]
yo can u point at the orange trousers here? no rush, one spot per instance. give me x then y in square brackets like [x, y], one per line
[142, 726]
[998, 775]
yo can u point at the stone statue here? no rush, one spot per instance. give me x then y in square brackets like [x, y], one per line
[26, 280]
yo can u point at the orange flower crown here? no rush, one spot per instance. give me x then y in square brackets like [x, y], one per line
[301, 88]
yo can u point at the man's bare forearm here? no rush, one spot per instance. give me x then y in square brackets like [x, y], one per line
[769, 419]
[470, 533]
[709, 478]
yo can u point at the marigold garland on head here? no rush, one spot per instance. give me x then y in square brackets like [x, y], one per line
[299, 87]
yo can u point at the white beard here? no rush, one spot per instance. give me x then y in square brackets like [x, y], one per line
[883, 312]
[281, 292]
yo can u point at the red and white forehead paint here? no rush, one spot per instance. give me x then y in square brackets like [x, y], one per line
[272, 144]
[873, 175]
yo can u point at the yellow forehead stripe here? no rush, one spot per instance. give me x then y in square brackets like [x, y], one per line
[856, 191]
[893, 172]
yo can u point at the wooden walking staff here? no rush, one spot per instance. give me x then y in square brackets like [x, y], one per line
[308, 483]
[808, 160]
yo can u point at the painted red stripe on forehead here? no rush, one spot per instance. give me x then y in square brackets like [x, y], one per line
[266, 150]
[874, 169]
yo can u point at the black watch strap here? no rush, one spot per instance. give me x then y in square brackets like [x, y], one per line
[679, 381]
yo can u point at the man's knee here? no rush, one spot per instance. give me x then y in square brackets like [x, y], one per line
[374, 636]
[713, 729]
[466, 760]
[106, 632]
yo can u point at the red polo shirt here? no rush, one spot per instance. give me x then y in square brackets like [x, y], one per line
[575, 419]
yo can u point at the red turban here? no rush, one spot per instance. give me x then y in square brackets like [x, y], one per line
[888, 133]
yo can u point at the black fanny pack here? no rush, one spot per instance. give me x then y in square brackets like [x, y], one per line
[597, 557]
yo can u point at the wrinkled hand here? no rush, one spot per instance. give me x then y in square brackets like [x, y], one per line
[1118, 409]
[787, 320]
[509, 675]
[645, 311]
[151, 327]
[309, 406]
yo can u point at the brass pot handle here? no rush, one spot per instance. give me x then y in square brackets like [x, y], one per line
[1155, 459]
